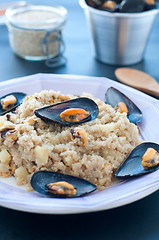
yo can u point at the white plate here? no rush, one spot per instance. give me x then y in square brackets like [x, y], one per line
[120, 193]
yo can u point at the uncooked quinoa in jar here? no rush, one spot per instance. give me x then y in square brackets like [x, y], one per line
[35, 32]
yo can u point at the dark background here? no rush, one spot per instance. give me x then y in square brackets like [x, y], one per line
[136, 221]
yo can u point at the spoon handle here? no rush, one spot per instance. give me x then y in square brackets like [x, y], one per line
[138, 79]
[153, 91]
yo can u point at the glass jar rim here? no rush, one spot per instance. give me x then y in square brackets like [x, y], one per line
[56, 22]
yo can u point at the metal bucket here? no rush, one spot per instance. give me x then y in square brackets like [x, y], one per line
[119, 38]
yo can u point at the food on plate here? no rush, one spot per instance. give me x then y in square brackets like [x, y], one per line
[121, 107]
[79, 133]
[60, 185]
[74, 115]
[61, 188]
[7, 101]
[150, 158]
[93, 150]
[10, 101]
[122, 103]
[142, 160]
[71, 112]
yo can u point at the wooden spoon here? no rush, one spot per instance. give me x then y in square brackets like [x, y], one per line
[138, 79]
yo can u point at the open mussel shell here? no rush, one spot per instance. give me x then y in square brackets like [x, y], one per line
[114, 96]
[19, 96]
[40, 179]
[52, 112]
[132, 167]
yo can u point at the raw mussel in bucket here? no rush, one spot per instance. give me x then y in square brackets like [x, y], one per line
[104, 5]
[110, 6]
[10, 102]
[143, 159]
[123, 6]
[60, 185]
[123, 104]
[134, 6]
[72, 112]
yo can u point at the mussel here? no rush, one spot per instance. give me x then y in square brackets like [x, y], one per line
[115, 98]
[123, 6]
[150, 4]
[110, 6]
[132, 6]
[94, 3]
[135, 6]
[107, 5]
[133, 167]
[72, 112]
[11, 101]
[59, 185]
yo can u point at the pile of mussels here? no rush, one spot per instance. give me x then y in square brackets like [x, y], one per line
[123, 6]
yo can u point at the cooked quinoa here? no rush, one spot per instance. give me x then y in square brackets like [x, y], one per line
[28, 144]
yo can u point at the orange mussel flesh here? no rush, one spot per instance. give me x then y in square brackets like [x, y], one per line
[74, 115]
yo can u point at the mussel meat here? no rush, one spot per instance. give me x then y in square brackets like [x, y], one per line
[150, 4]
[115, 98]
[10, 102]
[150, 158]
[72, 112]
[109, 6]
[59, 185]
[74, 115]
[140, 161]
[61, 188]
[79, 133]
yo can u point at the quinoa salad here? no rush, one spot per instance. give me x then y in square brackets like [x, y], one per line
[29, 144]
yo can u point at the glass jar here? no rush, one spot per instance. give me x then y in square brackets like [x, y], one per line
[35, 31]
